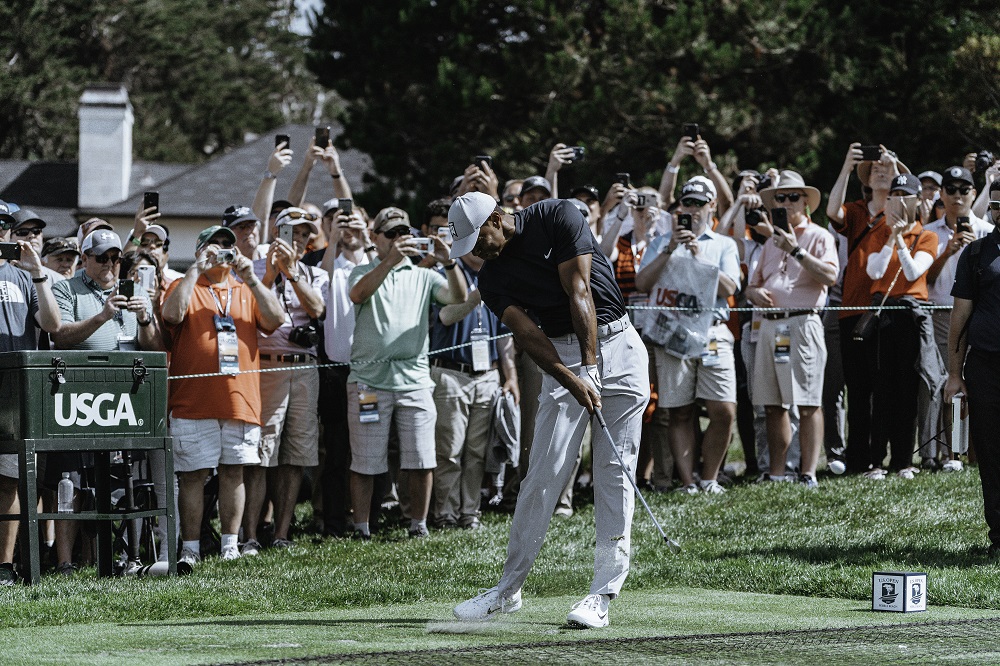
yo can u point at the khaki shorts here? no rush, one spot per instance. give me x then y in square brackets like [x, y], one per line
[289, 411]
[208, 443]
[8, 466]
[414, 415]
[680, 382]
[800, 381]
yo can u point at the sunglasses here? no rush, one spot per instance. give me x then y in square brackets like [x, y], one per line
[154, 243]
[396, 232]
[105, 258]
[951, 189]
[994, 205]
[224, 243]
[296, 215]
[24, 233]
[693, 203]
[793, 197]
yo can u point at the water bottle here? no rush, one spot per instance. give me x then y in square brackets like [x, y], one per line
[65, 494]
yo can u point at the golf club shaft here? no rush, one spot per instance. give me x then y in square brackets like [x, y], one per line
[674, 546]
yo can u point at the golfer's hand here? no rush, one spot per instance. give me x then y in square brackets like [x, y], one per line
[585, 394]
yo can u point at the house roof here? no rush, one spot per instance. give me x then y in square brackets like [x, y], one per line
[202, 190]
[208, 189]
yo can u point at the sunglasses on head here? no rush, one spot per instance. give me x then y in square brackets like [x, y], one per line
[952, 189]
[105, 258]
[32, 231]
[693, 203]
[296, 215]
[395, 232]
[780, 197]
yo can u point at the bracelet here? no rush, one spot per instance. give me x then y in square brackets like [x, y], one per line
[40, 280]
[797, 252]
[673, 169]
[712, 166]
[269, 176]
[144, 323]
[135, 241]
[371, 248]
[450, 266]
[335, 176]
[253, 284]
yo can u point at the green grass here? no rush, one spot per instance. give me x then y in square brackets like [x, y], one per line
[774, 539]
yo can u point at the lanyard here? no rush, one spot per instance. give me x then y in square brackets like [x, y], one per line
[99, 294]
[218, 304]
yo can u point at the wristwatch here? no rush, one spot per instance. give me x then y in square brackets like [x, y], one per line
[269, 176]
[294, 278]
[797, 252]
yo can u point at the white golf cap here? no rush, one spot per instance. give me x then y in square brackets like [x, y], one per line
[466, 217]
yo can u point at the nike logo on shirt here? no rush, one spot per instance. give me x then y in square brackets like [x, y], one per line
[548, 253]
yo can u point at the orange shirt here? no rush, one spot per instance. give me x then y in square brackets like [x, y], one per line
[903, 287]
[857, 288]
[195, 350]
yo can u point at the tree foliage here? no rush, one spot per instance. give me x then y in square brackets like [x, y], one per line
[200, 73]
[430, 83]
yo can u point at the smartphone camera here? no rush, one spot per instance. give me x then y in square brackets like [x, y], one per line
[483, 160]
[126, 288]
[322, 137]
[10, 251]
[962, 224]
[578, 153]
[151, 200]
[685, 221]
[286, 232]
[623, 178]
[691, 131]
[283, 139]
[779, 219]
[444, 233]
[871, 153]
[424, 244]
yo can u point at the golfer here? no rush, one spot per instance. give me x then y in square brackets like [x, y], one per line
[547, 280]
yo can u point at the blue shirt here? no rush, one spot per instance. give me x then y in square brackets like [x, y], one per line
[714, 249]
[459, 333]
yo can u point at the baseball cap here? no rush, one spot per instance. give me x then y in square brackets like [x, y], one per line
[293, 216]
[454, 185]
[100, 241]
[389, 218]
[957, 174]
[331, 205]
[90, 226]
[933, 175]
[157, 231]
[588, 190]
[236, 214]
[60, 246]
[207, 234]
[697, 190]
[280, 205]
[580, 206]
[533, 182]
[995, 185]
[7, 211]
[466, 217]
[906, 182]
[23, 216]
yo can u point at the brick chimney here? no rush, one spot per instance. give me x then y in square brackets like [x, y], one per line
[105, 145]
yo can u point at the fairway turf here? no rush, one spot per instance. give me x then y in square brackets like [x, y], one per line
[818, 547]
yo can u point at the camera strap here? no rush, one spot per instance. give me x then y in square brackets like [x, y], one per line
[102, 298]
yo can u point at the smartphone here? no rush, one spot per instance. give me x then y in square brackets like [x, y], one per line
[286, 232]
[322, 137]
[147, 277]
[444, 233]
[578, 153]
[623, 178]
[480, 160]
[126, 288]
[424, 244]
[962, 224]
[10, 251]
[346, 206]
[225, 257]
[779, 219]
[151, 200]
[691, 131]
[871, 153]
[685, 222]
[640, 201]
[282, 139]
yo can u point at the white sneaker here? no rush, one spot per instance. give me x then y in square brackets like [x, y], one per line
[231, 553]
[189, 557]
[836, 467]
[591, 613]
[907, 472]
[689, 489]
[876, 474]
[952, 466]
[488, 605]
[250, 548]
[712, 487]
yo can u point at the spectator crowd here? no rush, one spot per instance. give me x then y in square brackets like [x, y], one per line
[352, 362]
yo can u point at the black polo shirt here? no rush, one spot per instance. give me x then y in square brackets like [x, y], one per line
[984, 325]
[527, 271]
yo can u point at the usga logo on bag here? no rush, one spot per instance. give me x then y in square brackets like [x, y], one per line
[105, 410]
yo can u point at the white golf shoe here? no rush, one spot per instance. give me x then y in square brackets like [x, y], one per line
[591, 613]
[488, 605]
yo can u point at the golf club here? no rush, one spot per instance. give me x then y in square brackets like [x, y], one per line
[673, 545]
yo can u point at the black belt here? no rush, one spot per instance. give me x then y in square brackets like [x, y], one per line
[772, 316]
[459, 367]
[287, 358]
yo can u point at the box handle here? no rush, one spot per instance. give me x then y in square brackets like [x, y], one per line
[98, 359]
[58, 374]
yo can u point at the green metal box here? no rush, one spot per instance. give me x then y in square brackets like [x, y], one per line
[67, 394]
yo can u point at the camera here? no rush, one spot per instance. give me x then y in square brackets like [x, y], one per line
[306, 336]
[871, 153]
[623, 178]
[10, 251]
[424, 244]
[754, 217]
[640, 201]
[578, 152]
[984, 160]
[685, 222]
[225, 257]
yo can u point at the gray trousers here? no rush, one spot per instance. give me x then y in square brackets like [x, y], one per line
[559, 429]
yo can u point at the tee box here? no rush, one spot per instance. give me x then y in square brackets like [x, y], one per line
[899, 592]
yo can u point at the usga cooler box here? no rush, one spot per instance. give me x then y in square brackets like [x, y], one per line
[85, 401]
